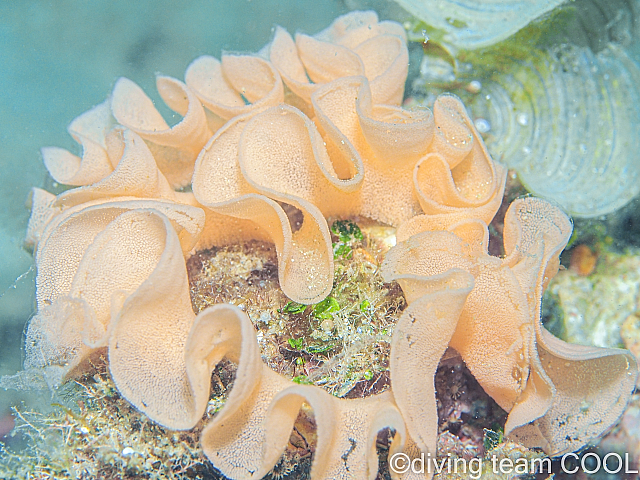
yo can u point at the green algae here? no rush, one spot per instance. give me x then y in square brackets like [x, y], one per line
[339, 343]
[349, 234]
[492, 437]
[325, 309]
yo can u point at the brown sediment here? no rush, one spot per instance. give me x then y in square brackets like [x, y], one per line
[346, 352]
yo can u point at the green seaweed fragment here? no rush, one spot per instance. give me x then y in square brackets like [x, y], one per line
[346, 230]
[293, 308]
[302, 380]
[492, 438]
[319, 348]
[296, 343]
[325, 308]
[348, 234]
[365, 305]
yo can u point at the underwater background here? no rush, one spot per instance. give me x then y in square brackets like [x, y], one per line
[58, 59]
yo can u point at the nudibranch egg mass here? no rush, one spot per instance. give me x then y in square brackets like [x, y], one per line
[314, 124]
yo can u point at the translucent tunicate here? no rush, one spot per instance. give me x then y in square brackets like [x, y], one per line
[579, 143]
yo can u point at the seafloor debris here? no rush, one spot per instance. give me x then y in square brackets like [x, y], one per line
[583, 260]
[91, 432]
[625, 436]
[592, 309]
[341, 343]
[630, 333]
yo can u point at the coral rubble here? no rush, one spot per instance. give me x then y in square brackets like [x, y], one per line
[600, 309]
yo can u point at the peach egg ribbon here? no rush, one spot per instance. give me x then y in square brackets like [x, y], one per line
[122, 284]
[559, 396]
